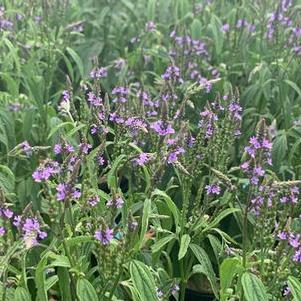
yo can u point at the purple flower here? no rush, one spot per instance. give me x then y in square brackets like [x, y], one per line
[2, 231]
[7, 213]
[297, 256]
[254, 142]
[245, 166]
[119, 202]
[104, 236]
[213, 189]
[150, 26]
[284, 199]
[258, 171]
[225, 28]
[254, 180]
[32, 232]
[172, 73]
[101, 160]
[85, 147]
[57, 149]
[173, 156]
[121, 94]
[26, 148]
[162, 129]
[94, 100]
[294, 241]
[17, 220]
[119, 63]
[142, 159]
[99, 73]
[62, 191]
[267, 144]
[282, 235]
[76, 194]
[205, 84]
[93, 201]
[66, 95]
[46, 170]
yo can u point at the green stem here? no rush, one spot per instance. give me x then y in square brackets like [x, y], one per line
[115, 284]
[183, 281]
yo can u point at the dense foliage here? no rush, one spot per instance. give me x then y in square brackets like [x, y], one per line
[148, 147]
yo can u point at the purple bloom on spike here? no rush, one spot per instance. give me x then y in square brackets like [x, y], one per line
[76, 194]
[225, 28]
[62, 191]
[282, 235]
[93, 201]
[119, 202]
[213, 189]
[26, 148]
[297, 256]
[162, 129]
[173, 156]
[2, 231]
[32, 232]
[57, 149]
[8, 213]
[104, 236]
[142, 159]
[17, 220]
[259, 171]
[294, 241]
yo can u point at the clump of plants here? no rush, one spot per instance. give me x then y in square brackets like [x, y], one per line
[157, 169]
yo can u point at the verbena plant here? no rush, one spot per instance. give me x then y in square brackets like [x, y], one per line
[137, 155]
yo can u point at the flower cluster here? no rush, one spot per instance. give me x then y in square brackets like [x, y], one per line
[46, 169]
[104, 235]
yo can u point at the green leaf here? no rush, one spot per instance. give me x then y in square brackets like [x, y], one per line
[216, 245]
[218, 37]
[295, 286]
[64, 284]
[77, 60]
[205, 266]
[229, 268]
[254, 289]
[196, 27]
[22, 294]
[143, 281]
[159, 244]
[40, 279]
[221, 216]
[76, 129]
[294, 86]
[144, 223]
[279, 148]
[60, 261]
[86, 291]
[151, 9]
[51, 281]
[7, 179]
[171, 205]
[185, 240]
[112, 174]
[73, 241]
[59, 126]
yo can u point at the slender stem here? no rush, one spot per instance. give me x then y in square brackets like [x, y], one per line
[244, 237]
[183, 281]
[115, 284]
